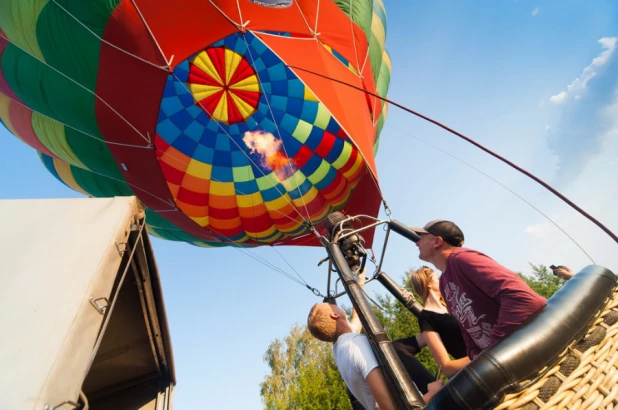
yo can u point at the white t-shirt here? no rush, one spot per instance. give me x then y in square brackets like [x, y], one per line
[355, 360]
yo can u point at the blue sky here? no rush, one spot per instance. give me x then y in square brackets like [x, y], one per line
[536, 81]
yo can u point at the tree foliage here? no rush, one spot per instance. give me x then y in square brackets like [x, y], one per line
[303, 374]
[542, 281]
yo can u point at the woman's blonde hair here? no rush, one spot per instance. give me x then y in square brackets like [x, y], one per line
[420, 280]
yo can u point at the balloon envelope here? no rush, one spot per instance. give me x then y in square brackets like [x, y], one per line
[222, 117]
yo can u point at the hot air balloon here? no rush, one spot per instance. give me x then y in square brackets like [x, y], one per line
[229, 120]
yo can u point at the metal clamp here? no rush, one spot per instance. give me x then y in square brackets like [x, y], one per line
[122, 245]
[48, 406]
[100, 309]
[76, 406]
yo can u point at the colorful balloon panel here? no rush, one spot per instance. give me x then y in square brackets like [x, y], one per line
[218, 118]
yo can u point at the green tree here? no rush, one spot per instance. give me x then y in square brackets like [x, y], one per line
[542, 280]
[303, 375]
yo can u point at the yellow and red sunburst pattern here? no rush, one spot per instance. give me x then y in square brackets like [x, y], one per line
[224, 85]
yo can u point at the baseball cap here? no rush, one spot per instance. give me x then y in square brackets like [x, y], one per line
[447, 230]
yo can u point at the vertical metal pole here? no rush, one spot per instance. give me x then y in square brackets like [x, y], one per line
[401, 294]
[403, 392]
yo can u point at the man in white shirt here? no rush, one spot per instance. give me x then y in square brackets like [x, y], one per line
[355, 360]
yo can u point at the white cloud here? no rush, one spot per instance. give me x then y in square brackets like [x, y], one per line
[558, 98]
[578, 86]
[547, 127]
[610, 115]
[538, 230]
[535, 12]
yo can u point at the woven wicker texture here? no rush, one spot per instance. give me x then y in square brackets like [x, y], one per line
[585, 378]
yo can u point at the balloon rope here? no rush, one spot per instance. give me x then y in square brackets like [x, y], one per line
[173, 209]
[255, 257]
[239, 14]
[358, 67]
[476, 144]
[203, 236]
[81, 86]
[289, 161]
[304, 19]
[144, 137]
[237, 25]
[368, 169]
[160, 67]
[75, 129]
[290, 265]
[247, 155]
[168, 62]
[180, 161]
[317, 15]
[503, 186]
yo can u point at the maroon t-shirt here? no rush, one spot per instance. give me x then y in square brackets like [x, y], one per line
[488, 300]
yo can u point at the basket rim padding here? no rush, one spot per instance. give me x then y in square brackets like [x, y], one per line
[535, 346]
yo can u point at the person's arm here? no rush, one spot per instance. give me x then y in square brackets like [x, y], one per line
[432, 389]
[420, 340]
[355, 322]
[377, 384]
[440, 355]
[517, 301]
[563, 272]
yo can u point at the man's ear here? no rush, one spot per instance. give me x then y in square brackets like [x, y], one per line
[439, 241]
[334, 316]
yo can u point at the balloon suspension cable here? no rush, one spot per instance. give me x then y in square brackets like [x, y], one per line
[93, 93]
[295, 208]
[174, 208]
[102, 40]
[336, 295]
[272, 114]
[291, 267]
[387, 210]
[401, 293]
[349, 238]
[551, 221]
[476, 144]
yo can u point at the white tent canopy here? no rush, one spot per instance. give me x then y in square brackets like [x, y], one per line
[57, 257]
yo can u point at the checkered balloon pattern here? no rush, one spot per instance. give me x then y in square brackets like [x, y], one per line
[245, 146]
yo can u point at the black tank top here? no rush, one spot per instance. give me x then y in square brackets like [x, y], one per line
[446, 326]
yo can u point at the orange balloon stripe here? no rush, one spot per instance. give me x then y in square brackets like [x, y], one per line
[257, 210]
[192, 210]
[195, 184]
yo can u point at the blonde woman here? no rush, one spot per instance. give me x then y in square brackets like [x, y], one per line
[439, 329]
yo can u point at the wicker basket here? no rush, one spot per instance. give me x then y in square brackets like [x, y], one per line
[585, 377]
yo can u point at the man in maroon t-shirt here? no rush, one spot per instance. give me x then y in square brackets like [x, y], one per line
[488, 300]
